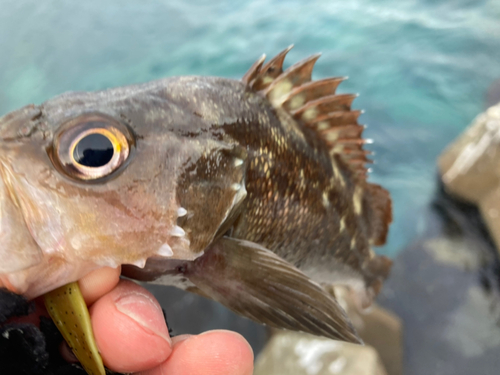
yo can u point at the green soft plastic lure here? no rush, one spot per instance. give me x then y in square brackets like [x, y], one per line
[69, 312]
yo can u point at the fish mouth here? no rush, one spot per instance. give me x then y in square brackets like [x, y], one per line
[154, 268]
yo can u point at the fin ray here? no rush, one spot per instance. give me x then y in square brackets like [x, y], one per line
[311, 91]
[326, 104]
[256, 283]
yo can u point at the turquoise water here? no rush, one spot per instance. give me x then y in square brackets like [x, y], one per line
[422, 67]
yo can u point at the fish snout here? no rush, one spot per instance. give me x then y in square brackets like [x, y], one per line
[19, 123]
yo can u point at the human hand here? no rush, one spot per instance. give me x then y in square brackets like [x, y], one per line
[132, 336]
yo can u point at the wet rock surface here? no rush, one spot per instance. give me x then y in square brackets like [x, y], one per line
[493, 94]
[296, 353]
[445, 289]
[470, 167]
[383, 331]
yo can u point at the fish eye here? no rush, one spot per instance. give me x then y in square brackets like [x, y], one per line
[91, 147]
[94, 150]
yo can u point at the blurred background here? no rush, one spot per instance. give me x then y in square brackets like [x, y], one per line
[423, 69]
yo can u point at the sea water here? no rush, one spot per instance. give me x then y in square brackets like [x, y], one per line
[421, 67]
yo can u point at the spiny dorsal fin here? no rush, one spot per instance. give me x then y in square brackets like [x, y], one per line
[315, 104]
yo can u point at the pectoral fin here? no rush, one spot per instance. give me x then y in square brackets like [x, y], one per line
[254, 282]
[71, 316]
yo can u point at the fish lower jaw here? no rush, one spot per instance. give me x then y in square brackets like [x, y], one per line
[55, 271]
[46, 276]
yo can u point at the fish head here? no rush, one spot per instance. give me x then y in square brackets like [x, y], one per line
[113, 177]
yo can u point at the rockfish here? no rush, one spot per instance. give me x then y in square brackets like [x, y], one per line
[253, 193]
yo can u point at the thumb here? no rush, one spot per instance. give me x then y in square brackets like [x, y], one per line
[130, 329]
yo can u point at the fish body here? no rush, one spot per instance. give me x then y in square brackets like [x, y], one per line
[250, 192]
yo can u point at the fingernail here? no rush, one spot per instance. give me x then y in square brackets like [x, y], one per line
[142, 309]
[178, 339]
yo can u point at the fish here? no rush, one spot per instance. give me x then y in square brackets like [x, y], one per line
[251, 192]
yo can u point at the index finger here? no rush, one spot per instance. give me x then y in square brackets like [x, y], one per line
[99, 282]
[217, 352]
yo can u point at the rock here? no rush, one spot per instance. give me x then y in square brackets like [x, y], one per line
[493, 94]
[454, 252]
[296, 353]
[470, 168]
[489, 206]
[383, 330]
[449, 307]
[379, 328]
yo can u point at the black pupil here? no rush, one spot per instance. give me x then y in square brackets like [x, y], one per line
[94, 150]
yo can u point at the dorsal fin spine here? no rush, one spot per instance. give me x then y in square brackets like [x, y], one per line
[254, 70]
[269, 72]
